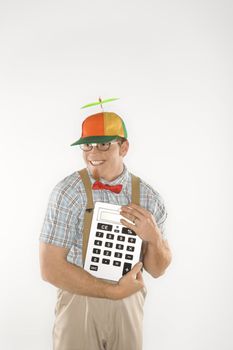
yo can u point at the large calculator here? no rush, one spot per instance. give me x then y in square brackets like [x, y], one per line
[113, 249]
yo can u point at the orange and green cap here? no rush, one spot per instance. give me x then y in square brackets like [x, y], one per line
[101, 127]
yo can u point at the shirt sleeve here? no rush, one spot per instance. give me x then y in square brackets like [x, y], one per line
[160, 214]
[59, 223]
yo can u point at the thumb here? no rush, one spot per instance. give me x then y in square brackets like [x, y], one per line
[137, 267]
[140, 278]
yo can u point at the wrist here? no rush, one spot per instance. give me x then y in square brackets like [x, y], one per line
[111, 291]
[156, 242]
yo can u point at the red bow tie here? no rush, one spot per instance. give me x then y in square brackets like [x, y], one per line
[100, 186]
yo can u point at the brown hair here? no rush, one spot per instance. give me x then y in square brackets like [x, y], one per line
[121, 139]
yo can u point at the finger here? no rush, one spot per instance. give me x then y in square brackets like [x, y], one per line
[133, 212]
[137, 267]
[128, 224]
[141, 210]
[128, 216]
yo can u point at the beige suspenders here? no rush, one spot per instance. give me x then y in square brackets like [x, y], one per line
[90, 205]
[88, 212]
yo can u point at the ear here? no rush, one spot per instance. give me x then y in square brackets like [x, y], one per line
[124, 148]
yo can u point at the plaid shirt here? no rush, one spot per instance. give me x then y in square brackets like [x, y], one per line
[63, 223]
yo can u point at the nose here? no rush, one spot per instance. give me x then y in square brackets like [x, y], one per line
[94, 150]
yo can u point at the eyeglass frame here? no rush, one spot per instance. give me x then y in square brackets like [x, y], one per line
[96, 145]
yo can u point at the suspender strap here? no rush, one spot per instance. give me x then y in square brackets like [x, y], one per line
[135, 189]
[90, 205]
[89, 211]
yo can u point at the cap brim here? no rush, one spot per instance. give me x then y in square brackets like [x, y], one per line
[94, 139]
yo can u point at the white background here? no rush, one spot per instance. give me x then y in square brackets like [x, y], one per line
[170, 62]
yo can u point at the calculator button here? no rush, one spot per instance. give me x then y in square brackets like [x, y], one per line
[110, 236]
[116, 263]
[108, 244]
[107, 252]
[95, 259]
[96, 251]
[126, 267]
[99, 234]
[120, 238]
[118, 255]
[130, 248]
[93, 268]
[129, 257]
[96, 242]
[128, 231]
[117, 231]
[104, 227]
[119, 246]
[131, 240]
[105, 261]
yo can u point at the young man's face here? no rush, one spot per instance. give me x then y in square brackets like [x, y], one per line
[106, 164]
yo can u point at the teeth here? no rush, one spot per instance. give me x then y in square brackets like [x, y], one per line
[97, 162]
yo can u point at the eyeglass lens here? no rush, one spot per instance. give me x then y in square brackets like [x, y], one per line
[99, 146]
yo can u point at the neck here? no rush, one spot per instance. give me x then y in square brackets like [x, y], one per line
[113, 176]
[110, 176]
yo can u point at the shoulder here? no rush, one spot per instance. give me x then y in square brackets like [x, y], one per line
[150, 198]
[67, 191]
[147, 190]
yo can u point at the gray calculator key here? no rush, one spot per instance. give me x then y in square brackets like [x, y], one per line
[93, 267]
[99, 234]
[110, 236]
[105, 261]
[107, 252]
[129, 256]
[116, 263]
[118, 255]
[119, 246]
[96, 251]
[121, 238]
[130, 248]
[126, 268]
[104, 227]
[128, 231]
[108, 244]
[95, 259]
[96, 242]
[131, 240]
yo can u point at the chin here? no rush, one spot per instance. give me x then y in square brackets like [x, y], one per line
[96, 174]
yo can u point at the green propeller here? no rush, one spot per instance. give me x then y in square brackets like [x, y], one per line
[100, 102]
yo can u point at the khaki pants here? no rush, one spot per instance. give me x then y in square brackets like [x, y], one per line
[88, 323]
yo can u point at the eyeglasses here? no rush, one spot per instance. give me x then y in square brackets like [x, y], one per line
[103, 147]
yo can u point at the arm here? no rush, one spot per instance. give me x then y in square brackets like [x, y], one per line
[56, 270]
[157, 257]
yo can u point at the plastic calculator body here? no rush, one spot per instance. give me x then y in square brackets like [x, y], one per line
[113, 249]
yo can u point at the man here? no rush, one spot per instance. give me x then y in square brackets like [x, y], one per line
[92, 313]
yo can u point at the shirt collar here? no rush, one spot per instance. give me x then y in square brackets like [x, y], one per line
[121, 179]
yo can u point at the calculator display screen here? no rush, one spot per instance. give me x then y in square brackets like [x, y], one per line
[112, 216]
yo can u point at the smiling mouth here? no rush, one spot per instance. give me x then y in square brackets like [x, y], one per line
[96, 162]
